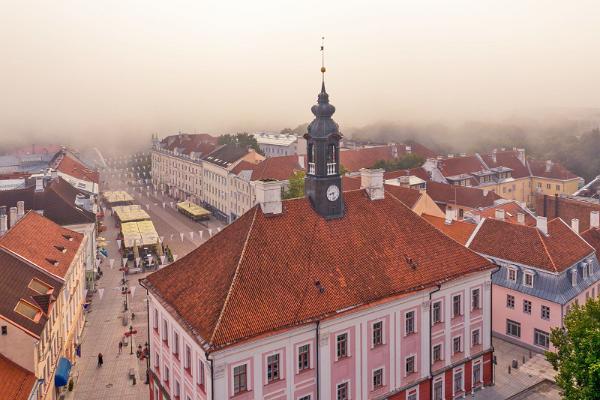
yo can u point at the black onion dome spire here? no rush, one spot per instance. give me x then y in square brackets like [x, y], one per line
[323, 125]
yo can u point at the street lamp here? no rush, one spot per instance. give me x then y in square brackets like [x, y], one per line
[125, 291]
[130, 339]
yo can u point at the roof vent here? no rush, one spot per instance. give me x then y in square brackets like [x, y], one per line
[413, 264]
[62, 249]
[68, 237]
[319, 287]
[52, 261]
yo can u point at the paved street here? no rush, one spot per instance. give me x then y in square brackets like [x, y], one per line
[104, 327]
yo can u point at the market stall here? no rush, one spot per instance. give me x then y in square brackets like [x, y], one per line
[193, 211]
[117, 198]
[131, 213]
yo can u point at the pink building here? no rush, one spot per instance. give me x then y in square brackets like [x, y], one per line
[337, 295]
[542, 270]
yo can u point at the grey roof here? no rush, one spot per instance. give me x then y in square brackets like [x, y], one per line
[548, 286]
[323, 125]
[226, 155]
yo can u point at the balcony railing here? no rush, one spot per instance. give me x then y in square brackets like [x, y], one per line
[311, 168]
[331, 169]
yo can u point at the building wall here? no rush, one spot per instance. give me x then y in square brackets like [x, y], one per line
[518, 189]
[88, 186]
[554, 186]
[426, 205]
[274, 150]
[357, 368]
[179, 175]
[17, 345]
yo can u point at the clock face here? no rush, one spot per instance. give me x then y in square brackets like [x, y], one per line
[333, 192]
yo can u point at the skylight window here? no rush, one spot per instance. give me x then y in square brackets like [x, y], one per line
[28, 310]
[39, 286]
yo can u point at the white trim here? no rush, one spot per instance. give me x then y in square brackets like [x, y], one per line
[296, 355]
[335, 343]
[471, 339]
[415, 366]
[509, 269]
[461, 369]
[441, 302]
[525, 274]
[245, 362]
[265, 357]
[479, 305]
[462, 345]
[439, 378]
[414, 311]
[303, 396]
[441, 344]
[415, 389]
[383, 381]
[473, 362]
[348, 386]
[371, 328]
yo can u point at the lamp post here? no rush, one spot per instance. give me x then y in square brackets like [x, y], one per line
[130, 339]
[124, 291]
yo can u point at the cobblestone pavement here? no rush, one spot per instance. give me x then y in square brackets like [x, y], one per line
[104, 326]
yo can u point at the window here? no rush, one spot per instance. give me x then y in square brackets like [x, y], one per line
[476, 373]
[557, 187]
[166, 331]
[458, 381]
[526, 306]
[475, 337]
[27, 310]
[377, 378]
[512, 274]
[513, 328]
[201, 373]
[176, 344]
[240, 379]
[412, 395]
[410, 365]
[548, 186]
[177, 389]
[307, 397]
[438, 390]
[166, 376]
[437, 352]
[155, 322]
[303, 357]
[456, 345]
[541, 338]
[377, 333]
[342, 391]
[187, 362]
[4, 330]
[436, 312]
[456, 306]
[545, 312]
[475, 299]
[409, 322]
[157, 361]
[273, 368]
[528, 279]
[342, 345]
[510, 301]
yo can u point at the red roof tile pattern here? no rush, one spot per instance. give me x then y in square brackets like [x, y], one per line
[509, 159]
[262, 273]
[557, 170]
[592, 236]
[460, 195]
[458, 230]
[16, 383]
[459, 165]
[407, 196]
[71, 166]
[527, 245]
[243, 166]
[43, 243]
[511, 209]
[280, 168]
[201, 143]
[568, 208]
[418, 172]
[354, 160]
[350, 183]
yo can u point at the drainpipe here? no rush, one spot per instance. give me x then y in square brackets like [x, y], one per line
[148, 338]
[492, 320]
[317, 359]
[439, 287]
[555, 205]
[212, 376]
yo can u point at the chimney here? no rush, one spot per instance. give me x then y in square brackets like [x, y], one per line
[39, 184]
[521, 218]
[500, 214]
[394, 150]
[521, 155]
[450, 155]
[545, 205]
[301, 161]
[13, 216]
[548, 165]
[542, 224]
[555, 205]
[3, 220]
[20, 209]
[268, 195]
[450, 216]
[408, 149]
[575, 225]
[404, 180]
[372, 181]
[595, 219]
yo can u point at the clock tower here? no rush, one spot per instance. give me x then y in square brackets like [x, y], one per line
[323, 184]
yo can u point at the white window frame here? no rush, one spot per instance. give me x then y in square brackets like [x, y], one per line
[415, 366]
[508, 271]
[310, 357]
[414, 389]
[248, 380]
[462, 384]
[441, 345]
[480, 363]
[382, 368]
[280, 366]
[305, 397]
[348, 387]
[441, 312]
[348, 352]
[462, 345]
[477, 289]
[414, 313]
[525, 275]
[436, 380]
[479, 333]
[461, 305]
[373, 345]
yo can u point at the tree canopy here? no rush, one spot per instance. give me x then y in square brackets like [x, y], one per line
[243, 139]
[577, 352]
[296, 188]
[405, 162]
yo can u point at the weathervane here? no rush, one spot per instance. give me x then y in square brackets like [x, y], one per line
[323, 57]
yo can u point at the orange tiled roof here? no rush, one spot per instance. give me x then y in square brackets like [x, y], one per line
[16, 383]
[460, 195]
[459, 165]
[260, 274]
[354, 160]
[527, 245]
[511, 209]
[75, 168]
[41, 242]
[509, 159]
[592, 236]
[458, 230]
[407, 196]
[568, 208]
[418, 172]
[557, 170]
[280, 168]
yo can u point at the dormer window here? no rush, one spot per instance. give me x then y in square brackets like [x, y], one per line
[574, 277]
[52, 261]
[585, 270]
[68, 237]
[528, 279]
[512, 274]
[62, 249]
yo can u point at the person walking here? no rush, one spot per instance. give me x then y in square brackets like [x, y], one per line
[120, 346]
[100, 361]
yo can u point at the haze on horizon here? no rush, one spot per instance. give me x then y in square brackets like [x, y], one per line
[110, 69]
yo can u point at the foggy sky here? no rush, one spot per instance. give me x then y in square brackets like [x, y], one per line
[111, 69]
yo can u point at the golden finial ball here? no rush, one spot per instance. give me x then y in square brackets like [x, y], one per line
[323, 69]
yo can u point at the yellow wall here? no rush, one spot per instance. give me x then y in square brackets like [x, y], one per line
[426, 205]
[518, 189]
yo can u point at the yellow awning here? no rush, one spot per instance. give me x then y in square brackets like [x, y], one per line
[193, 209]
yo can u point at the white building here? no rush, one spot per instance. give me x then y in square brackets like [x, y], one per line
[276, 144]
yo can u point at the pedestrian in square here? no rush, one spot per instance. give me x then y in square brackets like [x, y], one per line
[120, 346]
[100, 360]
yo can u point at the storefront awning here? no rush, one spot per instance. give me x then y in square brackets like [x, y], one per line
[63, 369]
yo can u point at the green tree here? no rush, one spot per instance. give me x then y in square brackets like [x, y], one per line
[243, 139]
[577, 353]
[296, 188]
[407, 161]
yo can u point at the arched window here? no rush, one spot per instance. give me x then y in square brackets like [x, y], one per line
[331, 154]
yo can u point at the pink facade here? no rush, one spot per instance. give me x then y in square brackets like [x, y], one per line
[375, 351]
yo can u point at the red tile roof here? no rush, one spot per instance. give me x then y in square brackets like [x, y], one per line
[458, 230]
[260, 274]
[459, 165]
[460, 195]
[509, 159]
[527, 245]
[71, 166]
[407, 196]
[280, 168]
[16, 383]
[201, 143]
[41, 242]
[418, 172]
[350, 183]
[354, 160]
[243, 166]
[557, 171]
[511, 209]
[568, 208]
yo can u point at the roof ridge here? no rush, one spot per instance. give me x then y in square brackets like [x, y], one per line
[546, 250]
[234, 280]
